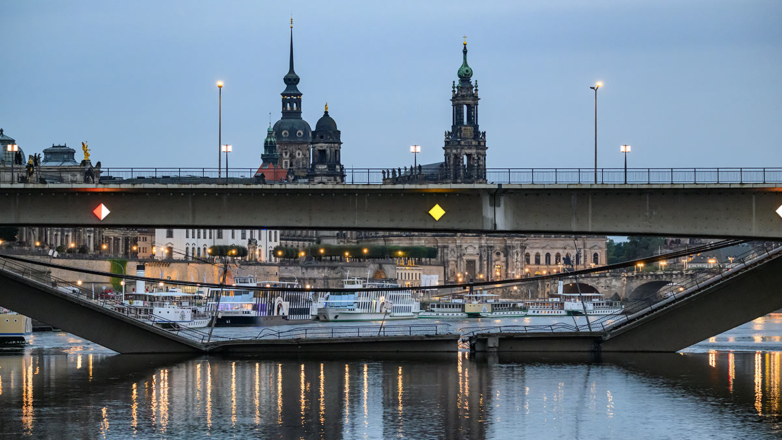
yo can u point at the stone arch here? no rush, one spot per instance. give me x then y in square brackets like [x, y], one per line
[647, 290]
[573, 288]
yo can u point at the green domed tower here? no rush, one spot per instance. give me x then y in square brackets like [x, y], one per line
[270, 155]
[465, 144]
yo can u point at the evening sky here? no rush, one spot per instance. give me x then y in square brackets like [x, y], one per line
[687, 84]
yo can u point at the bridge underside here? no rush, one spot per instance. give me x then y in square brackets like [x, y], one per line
[742, 211]
[712, 311]
[87, 320]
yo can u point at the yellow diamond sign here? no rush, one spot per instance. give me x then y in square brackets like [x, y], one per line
[437, 212]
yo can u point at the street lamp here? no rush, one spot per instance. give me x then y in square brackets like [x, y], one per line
[226, 149]
[220, 129]
[415, 149]
[595, 87]
[12, 148]
[625, 149]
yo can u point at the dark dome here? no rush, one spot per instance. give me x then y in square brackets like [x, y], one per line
[292, 130]
[325, 123]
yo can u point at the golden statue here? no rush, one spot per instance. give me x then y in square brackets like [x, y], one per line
[86, 151]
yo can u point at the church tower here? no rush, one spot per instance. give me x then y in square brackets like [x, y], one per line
[293, 134]
[326, 145]
[465, 144]
[269, 155]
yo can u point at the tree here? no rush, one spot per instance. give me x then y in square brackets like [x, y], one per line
[9, 233]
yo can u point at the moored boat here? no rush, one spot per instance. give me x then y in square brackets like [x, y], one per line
[15, 329]
[367, 305]
[239, 306]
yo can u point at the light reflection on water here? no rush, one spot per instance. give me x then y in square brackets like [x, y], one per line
[729, 394]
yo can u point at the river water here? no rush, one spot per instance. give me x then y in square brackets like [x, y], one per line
[727, 387]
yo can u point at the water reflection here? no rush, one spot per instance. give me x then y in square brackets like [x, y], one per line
[445, 396]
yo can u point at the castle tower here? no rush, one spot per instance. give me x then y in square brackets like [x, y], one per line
[293, 134]
[465, 144]
[326, 145]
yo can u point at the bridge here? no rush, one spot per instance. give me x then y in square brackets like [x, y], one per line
[709, 304]
[631, 285]
[741, 210]
[712, 302]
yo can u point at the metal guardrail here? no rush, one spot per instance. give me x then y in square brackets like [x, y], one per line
[640, 309]
[529, 176]
[357, 331]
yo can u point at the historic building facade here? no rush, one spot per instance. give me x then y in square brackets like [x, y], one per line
[465, 144]
[292, 147]
[490, 257]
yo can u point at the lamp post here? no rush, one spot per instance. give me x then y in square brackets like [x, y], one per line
[12, 148]
[595, 87]
[625, 149]
[226, 149]
[219, 128]
[415, 149]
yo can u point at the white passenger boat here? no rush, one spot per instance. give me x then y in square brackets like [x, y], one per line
[15, 329]
[240, 306]
[566, 304]
[367, 305]
[167, 309]
[475, 305]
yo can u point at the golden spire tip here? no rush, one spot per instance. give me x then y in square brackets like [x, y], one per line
[465, 40]
[291, 21]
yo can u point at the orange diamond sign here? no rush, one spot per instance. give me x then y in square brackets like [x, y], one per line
[101, 211]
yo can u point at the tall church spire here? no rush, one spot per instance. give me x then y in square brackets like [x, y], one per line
[290, 68]
[291, 96]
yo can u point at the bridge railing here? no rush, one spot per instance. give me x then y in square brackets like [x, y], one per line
[528, 176]
[675, 292]
[86, 294]
[357, 331]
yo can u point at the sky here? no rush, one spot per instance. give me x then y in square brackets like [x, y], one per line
[687, 84]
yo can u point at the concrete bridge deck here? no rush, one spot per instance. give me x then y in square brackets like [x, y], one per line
[714, 210]
[97, 322]
[716, 305]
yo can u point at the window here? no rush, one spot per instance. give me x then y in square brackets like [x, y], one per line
[578, 258]
[199, 252]
[219, 233]
[233, 234]
[270, 235]
[187, 252]
[285, 164]
[537, 258]
[252, 235]
[169, 233]
[275, 235]
[557, 258]
[210, 234]
[199, 233]
[548, 258]
[526, 258]
[187, 233]
[595, 258]
[244, 234]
